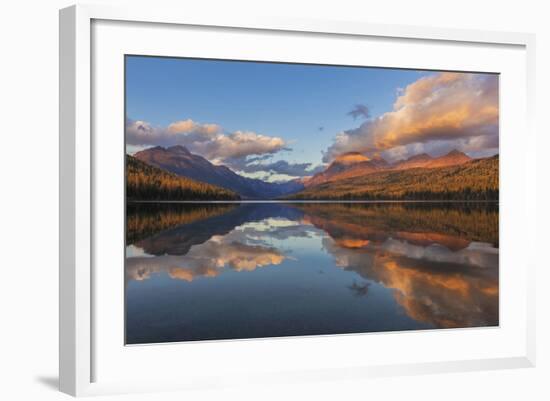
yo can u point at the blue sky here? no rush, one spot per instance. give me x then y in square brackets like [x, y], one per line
[305, 105]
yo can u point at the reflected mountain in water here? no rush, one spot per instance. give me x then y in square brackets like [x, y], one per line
[215, 271]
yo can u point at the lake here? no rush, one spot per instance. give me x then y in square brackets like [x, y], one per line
[206, 271]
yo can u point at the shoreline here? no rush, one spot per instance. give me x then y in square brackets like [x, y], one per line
[315, 201]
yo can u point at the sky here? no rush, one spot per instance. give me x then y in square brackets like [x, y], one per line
[279, 121]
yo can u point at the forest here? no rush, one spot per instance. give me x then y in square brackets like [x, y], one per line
[148, 183]
[473, 181]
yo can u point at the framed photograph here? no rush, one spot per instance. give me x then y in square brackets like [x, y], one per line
[274, 200]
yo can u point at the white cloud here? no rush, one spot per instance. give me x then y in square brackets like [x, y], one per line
[238, 250]
[207, 140]
[283, 169]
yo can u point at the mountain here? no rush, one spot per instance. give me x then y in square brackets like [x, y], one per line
[453, 158]
[354, 164]
[179, 160]
[148, 183]
[420, 160]
[423, 160]
[473, 180]
[347, 165]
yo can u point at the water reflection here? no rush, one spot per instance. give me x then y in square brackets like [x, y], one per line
[213, 271]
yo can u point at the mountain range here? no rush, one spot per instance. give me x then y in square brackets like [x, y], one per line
[179, 160]
[476, 179]
[352, 175]
[353, 164]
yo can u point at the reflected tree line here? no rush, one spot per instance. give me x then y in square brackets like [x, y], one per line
[468, 221]
[146, 219]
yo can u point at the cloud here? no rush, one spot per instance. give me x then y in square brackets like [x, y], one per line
[187, 126]
[239, 144]
[439, 108]
[433, 284]
[207, 140]
[279, 228]
[477, 146]
[360, 110]
[281, 167]
[240, 250]
[243, 151]
[207, 260]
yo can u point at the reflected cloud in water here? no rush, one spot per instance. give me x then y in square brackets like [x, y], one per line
[386, 267]
[433, 284]
[243, 249]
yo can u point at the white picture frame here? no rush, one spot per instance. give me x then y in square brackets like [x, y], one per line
[78, 164]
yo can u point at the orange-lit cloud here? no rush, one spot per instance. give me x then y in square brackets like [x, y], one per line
[447, 109]
[187, 126]
[352, 243]
[430, 291]
[439, 279]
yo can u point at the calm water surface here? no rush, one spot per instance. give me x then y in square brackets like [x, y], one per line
[225, 271]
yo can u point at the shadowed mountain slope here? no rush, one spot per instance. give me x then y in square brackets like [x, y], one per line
[149, 183]
[179, 160]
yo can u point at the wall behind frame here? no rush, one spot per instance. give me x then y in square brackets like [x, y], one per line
[29, 216]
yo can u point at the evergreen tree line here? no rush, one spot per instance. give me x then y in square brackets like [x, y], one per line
[148, 183]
